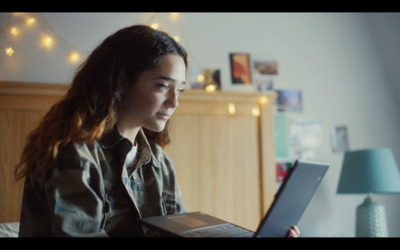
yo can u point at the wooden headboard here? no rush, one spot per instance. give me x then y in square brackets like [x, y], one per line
[225, 162]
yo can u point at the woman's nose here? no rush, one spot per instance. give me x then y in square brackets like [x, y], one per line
[172, 100]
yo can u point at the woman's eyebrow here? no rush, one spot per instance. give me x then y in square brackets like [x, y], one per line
[166, 78]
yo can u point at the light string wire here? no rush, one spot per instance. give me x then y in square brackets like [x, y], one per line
[65, 43]
[13, 21]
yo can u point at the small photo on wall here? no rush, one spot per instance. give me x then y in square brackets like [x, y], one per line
[289, 100]
[264, 69]
[339, 139]
[240, 68]
[265, 66]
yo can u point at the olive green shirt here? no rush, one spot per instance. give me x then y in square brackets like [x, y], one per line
[90, 192]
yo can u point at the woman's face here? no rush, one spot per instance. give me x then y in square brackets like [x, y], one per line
[153, 98]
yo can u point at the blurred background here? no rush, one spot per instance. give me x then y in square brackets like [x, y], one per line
[346, 66]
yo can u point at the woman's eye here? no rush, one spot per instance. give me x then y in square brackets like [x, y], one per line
[162, 86]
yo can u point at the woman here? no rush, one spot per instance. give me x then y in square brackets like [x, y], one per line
[95, 164]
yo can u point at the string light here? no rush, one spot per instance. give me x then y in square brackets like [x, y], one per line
[231, 108]
[9, 51]
[30, 21]
[262, 100]
[177, 38]
[255, 111]
[210, 88]
[155, 26]
[74, 57]
[174, 15]
[200, 78]
[47, 41]
[14, 31]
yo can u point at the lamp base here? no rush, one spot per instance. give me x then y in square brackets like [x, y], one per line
[371, 219]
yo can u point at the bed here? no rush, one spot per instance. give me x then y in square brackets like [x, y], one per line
[9, 229]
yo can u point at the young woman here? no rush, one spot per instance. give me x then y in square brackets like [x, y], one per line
[95, 164]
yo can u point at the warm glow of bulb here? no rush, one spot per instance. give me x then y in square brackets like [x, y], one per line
[255, 111]
[231, 108]
[14, 31]
[200, 78]
[9, 51]
[263, 100]
[155, 26]
[174, 15]
[177, 38]
[47, 41]
[74, 57]
[210, 88]
[30, 21]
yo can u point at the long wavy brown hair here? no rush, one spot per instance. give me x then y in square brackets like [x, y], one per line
[91, 106]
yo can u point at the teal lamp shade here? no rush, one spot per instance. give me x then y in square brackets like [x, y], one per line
[370, 171]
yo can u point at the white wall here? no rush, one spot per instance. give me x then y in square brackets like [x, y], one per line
[332, 57]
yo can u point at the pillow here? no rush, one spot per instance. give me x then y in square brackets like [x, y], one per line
[9, 229]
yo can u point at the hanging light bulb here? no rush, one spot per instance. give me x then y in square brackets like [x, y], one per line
[210, 88]
[200, 78]
[47, 41]
[9, 51]
[174, 15]
[74, 57]
[14, 31]
[263, 100]
[155, 26]
[30, 21]
[177, 38]
[255, 111]
[231, 108]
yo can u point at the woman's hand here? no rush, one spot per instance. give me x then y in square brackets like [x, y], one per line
[293, 232]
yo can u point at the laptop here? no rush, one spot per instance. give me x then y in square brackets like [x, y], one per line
[290, 202]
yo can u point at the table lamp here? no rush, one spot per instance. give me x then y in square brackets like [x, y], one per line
[369, 171]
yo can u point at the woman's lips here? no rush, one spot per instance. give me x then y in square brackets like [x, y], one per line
[163, 116]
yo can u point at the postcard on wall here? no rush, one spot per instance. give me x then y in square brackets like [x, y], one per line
[264, 68]
[289, 100]
[240, 68]
[339, 139]
[305, 133]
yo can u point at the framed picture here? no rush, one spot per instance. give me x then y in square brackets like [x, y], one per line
[240, 68]
[289, 100]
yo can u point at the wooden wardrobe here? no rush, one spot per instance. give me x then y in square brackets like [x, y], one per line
[225, 161]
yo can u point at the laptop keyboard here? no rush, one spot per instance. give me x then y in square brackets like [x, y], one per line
[224, 230]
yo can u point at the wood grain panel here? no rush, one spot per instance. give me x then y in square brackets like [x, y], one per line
[14, 126]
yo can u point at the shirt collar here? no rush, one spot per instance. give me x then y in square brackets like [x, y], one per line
[111, 139]
[114, 137]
